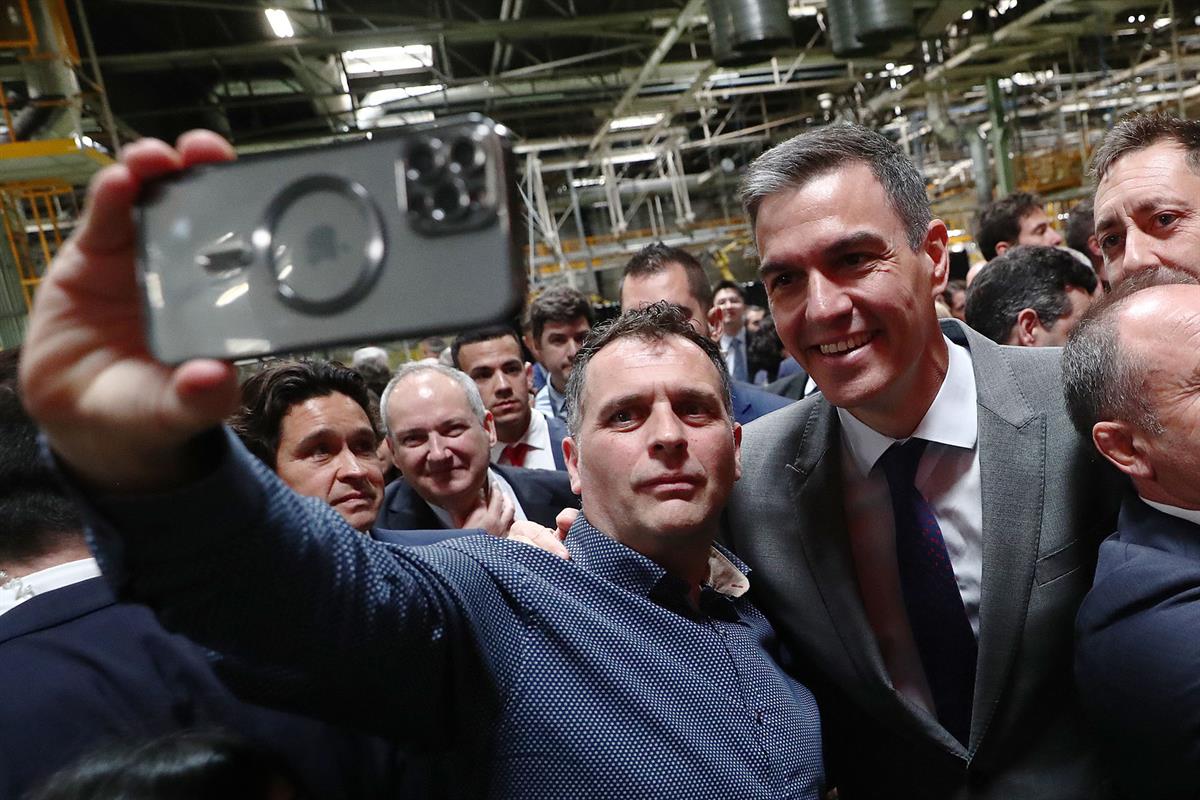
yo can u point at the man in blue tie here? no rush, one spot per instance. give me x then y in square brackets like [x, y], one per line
[731, 300]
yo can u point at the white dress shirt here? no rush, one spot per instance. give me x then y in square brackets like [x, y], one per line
[1186, 514]
[729, 346]
[15, 591]
[540, 454]
[948, 478]
[496, 484]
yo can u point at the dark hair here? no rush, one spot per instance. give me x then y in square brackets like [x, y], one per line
[1081, 225]
[269, 394]
[728, 284]
[657, 257]
[558, 304]
[36, 516]
[1139, 131]
[764, 350]
[483, 335]
[188, 765]
[1029, 276]
[956, 285]
[1100, 380]
[793, 163]
[1000, 221]
[654, 323]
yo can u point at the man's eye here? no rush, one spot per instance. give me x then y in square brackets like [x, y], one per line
[779, 281]
[855, 259]
[1110, 241]
[1165, 219]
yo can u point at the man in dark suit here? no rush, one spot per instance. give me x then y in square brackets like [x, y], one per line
[525, 437]
[658, 272]
[1130, 372]
[923, 529]
[440, 436]
[78, 670]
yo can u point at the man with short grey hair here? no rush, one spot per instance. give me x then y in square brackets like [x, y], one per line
[440, 438]
[1130, 372]
[1147, 206]
[921, 530]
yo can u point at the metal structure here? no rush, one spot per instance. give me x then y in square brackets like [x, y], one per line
[626, 127]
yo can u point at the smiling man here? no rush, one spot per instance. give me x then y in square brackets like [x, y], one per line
[922, 529]
[310, 421]
[1014, 220]
[440, 436]
[1147, 206]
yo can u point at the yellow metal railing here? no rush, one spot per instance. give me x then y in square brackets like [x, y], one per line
[33, 214]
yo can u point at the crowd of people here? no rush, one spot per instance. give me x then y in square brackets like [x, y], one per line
[893, 536]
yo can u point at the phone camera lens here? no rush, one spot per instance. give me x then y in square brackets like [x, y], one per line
[425, 160]
[449, 200]
[466, 156]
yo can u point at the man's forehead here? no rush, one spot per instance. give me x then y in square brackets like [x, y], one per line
[499, 349]
[669, 283]
[633, 355]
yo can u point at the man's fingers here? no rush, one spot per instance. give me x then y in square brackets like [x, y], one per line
[203, 392]
[535, 535]
[507, 515]
[202, 147]
[564, 521]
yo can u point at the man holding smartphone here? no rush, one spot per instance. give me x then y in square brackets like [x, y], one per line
[637, 669]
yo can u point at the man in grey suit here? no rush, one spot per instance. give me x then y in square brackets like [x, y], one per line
[922, 530]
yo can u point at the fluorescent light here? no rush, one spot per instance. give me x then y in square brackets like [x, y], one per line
[636, 121]
[381, 97]
[580, 183]
[281, 26]
[631, 156]
[388, 59]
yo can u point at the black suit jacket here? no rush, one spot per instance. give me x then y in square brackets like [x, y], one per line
[542, 494]
[79, 670]
[1137, 658]
[558, 432]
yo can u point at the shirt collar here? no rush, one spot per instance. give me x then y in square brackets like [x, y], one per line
[1187, 514]
[15, 591]
[628, 569]
[531, 437]
[951, 420]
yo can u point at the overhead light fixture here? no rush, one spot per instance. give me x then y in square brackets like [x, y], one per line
[381, 97]
[388, 59]
[635, 121]
[580, 183]
[631, 156]
[280, 24]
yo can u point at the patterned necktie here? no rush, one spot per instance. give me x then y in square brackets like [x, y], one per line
[939, 621]
[739, 359]
[514, 454]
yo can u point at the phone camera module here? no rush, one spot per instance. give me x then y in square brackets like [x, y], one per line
[448, 182]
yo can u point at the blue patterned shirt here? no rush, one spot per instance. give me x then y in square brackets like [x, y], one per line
[544, 678]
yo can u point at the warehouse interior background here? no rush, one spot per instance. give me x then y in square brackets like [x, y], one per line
[632, 119]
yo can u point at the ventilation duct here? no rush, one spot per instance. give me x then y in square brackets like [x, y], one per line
[881, 20]
[841, 26]
[743, 31]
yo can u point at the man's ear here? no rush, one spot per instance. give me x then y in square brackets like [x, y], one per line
[529, 378]
[737, 451]
[489, 425]
[1026, 328]
[1121, 443]
[1002, 248]
[937, 247]
[532, 344]
[571, 457]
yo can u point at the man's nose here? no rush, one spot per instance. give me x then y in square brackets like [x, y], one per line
[1055, 238]
[666, 431]
[826, 299]
[1140, 252]
[350, 464]
[572, 349]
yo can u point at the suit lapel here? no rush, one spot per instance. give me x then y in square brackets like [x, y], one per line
[815, 481]
[1012, 449]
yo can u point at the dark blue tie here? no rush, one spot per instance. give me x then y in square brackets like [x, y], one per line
[939, 621]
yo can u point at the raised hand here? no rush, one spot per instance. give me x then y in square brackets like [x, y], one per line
[115, 416]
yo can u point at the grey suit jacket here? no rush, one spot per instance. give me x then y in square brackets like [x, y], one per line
[1047, 503]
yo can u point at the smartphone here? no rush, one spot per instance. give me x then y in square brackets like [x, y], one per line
[408, 233]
